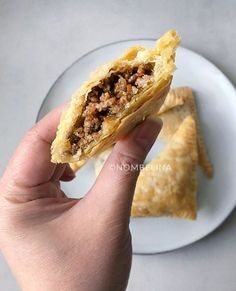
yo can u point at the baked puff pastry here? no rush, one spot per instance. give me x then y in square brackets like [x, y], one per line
[167, 186]
[179, 104]
[114, 100]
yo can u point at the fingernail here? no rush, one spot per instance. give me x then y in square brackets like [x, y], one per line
[156, 120]
[147, 132]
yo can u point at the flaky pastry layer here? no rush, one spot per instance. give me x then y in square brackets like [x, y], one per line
[143, 104]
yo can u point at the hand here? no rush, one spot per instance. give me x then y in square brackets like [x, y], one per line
[53, 242]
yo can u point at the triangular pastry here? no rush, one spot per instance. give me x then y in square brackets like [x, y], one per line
[179, 104]
[117, 97]
[174, 98]
[167, 186]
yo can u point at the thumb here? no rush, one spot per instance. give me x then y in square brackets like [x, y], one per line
[114, 188]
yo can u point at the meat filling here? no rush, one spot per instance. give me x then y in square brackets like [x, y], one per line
[106, 99]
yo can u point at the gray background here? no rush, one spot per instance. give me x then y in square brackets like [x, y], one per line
[39, 39]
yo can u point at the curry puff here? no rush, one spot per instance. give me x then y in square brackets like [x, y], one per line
[117, 97]
[179, 104]
[167, 186]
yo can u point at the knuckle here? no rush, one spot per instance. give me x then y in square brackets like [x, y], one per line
[127, 162]
[127, 158]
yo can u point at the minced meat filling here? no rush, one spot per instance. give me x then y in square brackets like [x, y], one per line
[107, 98]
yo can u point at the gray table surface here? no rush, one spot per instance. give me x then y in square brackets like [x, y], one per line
[39, 39]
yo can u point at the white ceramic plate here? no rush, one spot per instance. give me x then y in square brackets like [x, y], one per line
[216, 102]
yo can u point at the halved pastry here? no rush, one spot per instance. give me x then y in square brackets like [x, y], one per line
[167, 186]
[117, 97]
[179, 104]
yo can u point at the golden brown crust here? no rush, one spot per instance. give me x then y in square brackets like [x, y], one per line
[175, 97]
[171, 193]
[168, 185]
[142, 105]
[178, 105]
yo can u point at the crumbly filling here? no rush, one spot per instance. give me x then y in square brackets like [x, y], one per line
[106, 99]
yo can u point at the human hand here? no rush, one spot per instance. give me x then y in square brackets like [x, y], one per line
[53, 242]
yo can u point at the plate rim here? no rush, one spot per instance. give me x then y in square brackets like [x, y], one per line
[229, 85]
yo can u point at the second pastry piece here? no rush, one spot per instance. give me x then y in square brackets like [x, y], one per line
[167, 186]
[179, 104]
